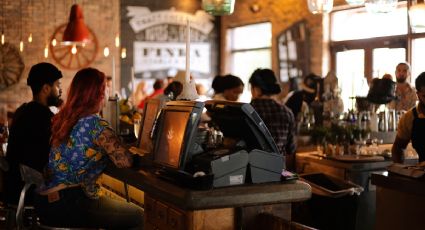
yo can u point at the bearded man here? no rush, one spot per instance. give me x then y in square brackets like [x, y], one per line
[30, 131]
[405, 93]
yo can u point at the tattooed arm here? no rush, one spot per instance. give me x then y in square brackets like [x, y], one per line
[114, 148]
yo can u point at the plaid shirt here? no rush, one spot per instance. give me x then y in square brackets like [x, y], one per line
[280, 122]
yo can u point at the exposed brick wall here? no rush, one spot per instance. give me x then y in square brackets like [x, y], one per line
[41, 18]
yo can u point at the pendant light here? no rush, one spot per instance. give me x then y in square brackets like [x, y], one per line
[381, 6]
[355, 2]
[76, 31]
[320, 6]
[416, 14]
[218, 7]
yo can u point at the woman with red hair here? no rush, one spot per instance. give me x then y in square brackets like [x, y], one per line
[82, 144]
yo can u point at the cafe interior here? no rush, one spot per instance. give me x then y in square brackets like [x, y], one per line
[229, 174]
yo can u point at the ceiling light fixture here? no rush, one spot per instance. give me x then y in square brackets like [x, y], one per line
[381, 6]
[218, 7]
[76, 31]
[416, 14]
[355, 2]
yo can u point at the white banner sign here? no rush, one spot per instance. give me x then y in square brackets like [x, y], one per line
[152, 56]
[142, 18]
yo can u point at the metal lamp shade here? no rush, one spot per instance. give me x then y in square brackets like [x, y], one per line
[76, 32]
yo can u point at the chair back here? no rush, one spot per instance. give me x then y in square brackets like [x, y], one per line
[31, 177]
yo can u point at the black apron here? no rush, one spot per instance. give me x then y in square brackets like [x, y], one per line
[418, 135]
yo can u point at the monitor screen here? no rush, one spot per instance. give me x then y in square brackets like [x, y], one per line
[175, 131]
[150, 112]
[170, 142]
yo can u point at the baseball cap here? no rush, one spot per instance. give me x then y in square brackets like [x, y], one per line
[43, 73]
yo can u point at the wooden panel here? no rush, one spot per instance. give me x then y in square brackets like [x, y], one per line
[113, 184]
[136, 195]
[160, 219]
[176, 219]
[249, 216]
[398, 210]
[149, 209]
[212, 219]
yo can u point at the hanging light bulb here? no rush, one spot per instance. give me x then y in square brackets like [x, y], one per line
[106, 51]
[218, 7]
[30, 38]
[46, 51]
[355, 2]
[117, 40]
[21, 46]
[2, 38]
[380, 6]
[320, 6]
[74, 49]
[54, 42]
[123, 53]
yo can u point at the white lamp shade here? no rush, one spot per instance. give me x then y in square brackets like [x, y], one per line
[355, 2]
[320, 6]
[381, 6]
[417, 16]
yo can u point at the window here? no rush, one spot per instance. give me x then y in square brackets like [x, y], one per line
[364, 46]
[248, 51]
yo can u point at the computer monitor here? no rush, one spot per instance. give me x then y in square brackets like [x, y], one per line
[174, 134]
[150, 113]
[241, 121]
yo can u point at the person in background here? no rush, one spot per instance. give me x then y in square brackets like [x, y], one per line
[411, 126]
[299, 100]
[82, 145]
[29, 135]
[158, 88]
[140, 93]
[405, 93]
[172, 90]
[109, 84]
[278, 118]
[227, 87]
[202, 91]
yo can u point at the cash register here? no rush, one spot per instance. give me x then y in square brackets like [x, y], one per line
[231, 147]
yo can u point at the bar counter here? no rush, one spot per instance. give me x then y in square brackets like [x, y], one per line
[399, 202]
[218, 208]
[357, 170]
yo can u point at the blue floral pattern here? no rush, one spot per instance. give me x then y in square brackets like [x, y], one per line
[80, 160]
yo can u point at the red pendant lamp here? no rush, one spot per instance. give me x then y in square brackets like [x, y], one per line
[76, 32]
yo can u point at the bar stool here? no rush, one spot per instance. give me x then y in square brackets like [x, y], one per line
[32, 177]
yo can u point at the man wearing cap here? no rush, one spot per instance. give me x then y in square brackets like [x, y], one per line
[30, 130]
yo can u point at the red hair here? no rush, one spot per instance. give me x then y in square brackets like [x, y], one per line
[85, 96]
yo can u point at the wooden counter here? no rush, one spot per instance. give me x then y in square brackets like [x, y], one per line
[218, 208]
[399, 202]
[356, 172]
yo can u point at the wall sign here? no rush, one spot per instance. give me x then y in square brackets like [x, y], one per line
[160, 39]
